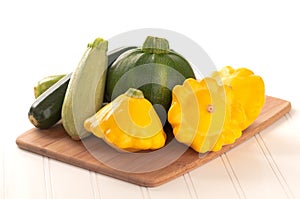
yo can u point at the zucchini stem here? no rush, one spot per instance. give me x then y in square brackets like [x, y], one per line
[97, 43]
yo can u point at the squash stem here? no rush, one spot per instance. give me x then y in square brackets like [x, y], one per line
[98, 43]
[156, 45]
[134, 93]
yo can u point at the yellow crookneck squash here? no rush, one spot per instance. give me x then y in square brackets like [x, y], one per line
[210, 113]
[128, 123]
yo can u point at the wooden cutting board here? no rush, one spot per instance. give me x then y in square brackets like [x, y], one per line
[146, 169]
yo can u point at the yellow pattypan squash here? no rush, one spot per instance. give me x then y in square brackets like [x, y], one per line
[128, 123]
[200, 115]
[212, 112]
[248, 93]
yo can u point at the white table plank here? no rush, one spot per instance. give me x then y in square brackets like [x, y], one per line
[274, 167]
[178, 188]
[24, 174]
[253, 171]
[283, 143]
[2, 188]
[212, 181]
[110, 188]
[68, 181]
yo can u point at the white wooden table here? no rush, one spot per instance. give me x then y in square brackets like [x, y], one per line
[38, 39]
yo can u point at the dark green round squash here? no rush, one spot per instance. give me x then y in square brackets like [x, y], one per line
[153, 69]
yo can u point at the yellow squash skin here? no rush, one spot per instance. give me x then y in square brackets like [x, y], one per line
[248, 94]
[200, 115]
[213, 112]
[129, 123]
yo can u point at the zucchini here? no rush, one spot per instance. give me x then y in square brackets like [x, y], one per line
[46, 109]
[46, 83]
[84, 95]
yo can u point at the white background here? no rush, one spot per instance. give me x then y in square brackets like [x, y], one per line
[39, 38]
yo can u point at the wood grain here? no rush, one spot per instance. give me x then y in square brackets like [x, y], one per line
[146, 169]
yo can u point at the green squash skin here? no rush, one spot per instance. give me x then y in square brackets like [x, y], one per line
[45, 111]
[154, 74]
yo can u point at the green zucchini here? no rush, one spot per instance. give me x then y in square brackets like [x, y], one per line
[46, 109]
[46, 83]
